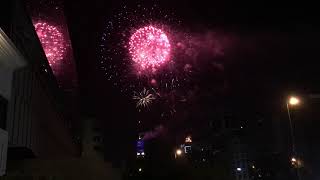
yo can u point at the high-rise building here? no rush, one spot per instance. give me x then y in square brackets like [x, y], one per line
[239, 159]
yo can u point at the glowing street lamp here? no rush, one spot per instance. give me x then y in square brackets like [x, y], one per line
[178, 153]
[293, 101]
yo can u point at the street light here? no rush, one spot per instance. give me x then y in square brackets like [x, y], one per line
[293, 101]
[178, 153]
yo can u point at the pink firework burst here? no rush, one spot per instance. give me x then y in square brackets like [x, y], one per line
[149, 47]
[52, 41]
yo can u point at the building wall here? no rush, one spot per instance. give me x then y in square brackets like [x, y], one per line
[34, 122]
[35, 118]
[3, 151]
[93, 140]
[5, 79]
[19, 121]
[9, 61]
[91, 165]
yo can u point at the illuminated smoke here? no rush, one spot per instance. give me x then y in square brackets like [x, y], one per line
[156, 132]
[149, 47]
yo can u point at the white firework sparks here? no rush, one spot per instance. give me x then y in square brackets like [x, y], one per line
[144, 98]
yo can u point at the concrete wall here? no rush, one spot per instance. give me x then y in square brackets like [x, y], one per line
[10, 60]
[33, 119]
[5, 82]
[3, 151]
[19, 120]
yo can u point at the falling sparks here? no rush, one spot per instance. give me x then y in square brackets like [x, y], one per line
[149, 47]
[52, 41]
[144, 98]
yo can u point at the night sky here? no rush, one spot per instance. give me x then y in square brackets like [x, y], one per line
[274, 48]
[274, 52]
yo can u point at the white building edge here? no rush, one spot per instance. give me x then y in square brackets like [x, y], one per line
[10, 60]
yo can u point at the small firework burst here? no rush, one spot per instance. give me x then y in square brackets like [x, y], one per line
[144, 98]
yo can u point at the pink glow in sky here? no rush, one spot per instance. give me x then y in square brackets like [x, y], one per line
[149, 47]
[52, 41]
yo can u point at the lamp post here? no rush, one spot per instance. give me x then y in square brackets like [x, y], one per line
[293, 101]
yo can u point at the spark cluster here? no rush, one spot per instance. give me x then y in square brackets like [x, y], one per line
[149, 47]
[52, 41]
[144, 98]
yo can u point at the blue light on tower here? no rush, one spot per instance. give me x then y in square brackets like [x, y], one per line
[140, 148]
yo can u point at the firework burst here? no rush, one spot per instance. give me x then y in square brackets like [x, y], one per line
[146, 48]
[149, 47]
[136, 49]
[53, 43]
[144, 98]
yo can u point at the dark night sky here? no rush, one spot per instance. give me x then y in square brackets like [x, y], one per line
[275, 52]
